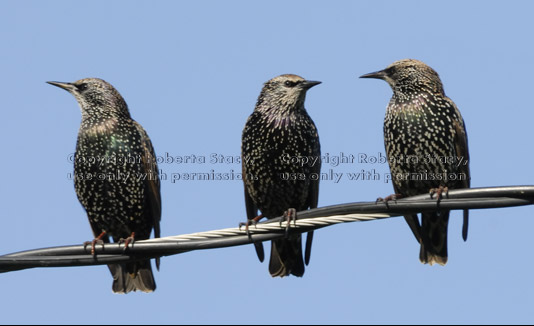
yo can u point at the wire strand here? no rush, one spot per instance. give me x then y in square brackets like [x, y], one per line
[77, 255]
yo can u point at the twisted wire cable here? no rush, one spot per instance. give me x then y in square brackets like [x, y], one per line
[77, 255]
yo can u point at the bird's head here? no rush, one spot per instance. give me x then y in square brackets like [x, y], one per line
[409, 75]
[286, 91]
[96, 97]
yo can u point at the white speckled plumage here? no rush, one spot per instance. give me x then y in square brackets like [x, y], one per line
[281, 128]
[116, 175]
[424, 134]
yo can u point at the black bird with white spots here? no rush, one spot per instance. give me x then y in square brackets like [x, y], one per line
[116, 177]
[276, 134]
[426, 146]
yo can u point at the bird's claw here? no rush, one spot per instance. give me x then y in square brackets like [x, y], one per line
[127, 241]
[96, 241]
[289, 215]
[93, 244]
[246, 224]
[393, 197]
[439, 193]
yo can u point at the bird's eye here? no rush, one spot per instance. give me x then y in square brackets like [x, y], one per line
[82, 87]
[290, 83]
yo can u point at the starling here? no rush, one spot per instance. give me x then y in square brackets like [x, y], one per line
[116, 177]
[281, 165]
[426, 146]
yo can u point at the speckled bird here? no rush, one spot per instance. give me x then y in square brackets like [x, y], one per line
[426, 146]
[116, 177]
[276, 135]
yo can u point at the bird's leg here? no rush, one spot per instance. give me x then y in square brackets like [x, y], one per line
[97, 240]
[290, 215]
[439, 193]
[127, 241]
[393, 197]
[247, 224]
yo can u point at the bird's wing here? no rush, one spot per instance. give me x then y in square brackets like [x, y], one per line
[152, 183]
[462, 151]
[252, 212]
[412, 220]
[313, 199]
[252, 209]
[313, 195]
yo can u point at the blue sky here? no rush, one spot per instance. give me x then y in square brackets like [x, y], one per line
[191, 73]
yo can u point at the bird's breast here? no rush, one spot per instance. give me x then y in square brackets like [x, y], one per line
[99, 128]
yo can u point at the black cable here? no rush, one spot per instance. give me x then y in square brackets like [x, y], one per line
[77, 255]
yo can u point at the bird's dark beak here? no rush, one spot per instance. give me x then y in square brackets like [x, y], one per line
[66, 86]
[307, 84]
[377, 74]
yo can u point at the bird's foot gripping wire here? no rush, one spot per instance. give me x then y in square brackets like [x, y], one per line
[439, 193]
[289, 215]
[98, 240]
[393, 197]
[127, 241]
[246, 224]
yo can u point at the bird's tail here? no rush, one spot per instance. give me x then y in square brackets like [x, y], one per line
[286, 257]
[132, 277]
[434, 238]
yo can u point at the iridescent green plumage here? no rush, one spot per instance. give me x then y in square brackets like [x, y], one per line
[279, 129]
[426, 146]
[116, 176]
